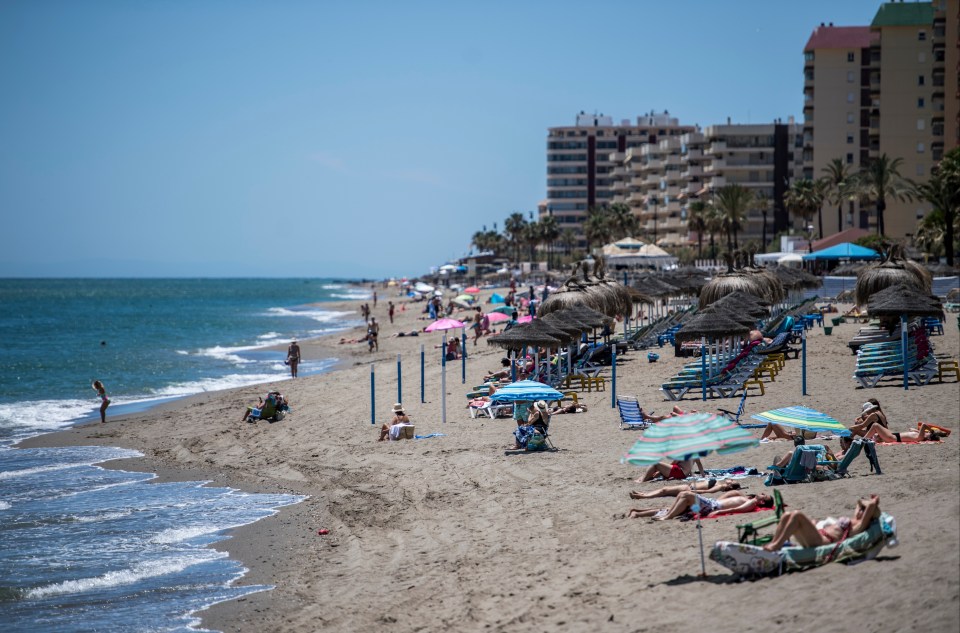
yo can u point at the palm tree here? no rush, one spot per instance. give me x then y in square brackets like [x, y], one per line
[930, 233]
[622, 220]
[948, 192]
[804, 198]
[569, 239]
[549, 232]
[945, 198]
[714, 224]
[879, 181]
[596, 228]
[697, 221]
[732, 202]
[836, 184]
[514, 227]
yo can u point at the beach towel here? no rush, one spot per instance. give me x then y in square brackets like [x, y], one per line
[427, 437]
[907, 443]
[737, 472]
[687, 517]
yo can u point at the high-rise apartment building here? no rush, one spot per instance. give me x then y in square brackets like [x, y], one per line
[580, 159]
[889, 88]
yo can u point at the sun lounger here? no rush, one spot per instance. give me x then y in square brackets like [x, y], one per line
[631, 415]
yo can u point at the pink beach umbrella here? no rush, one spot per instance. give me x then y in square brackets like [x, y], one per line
[497, 317]
[472, 290]
[525, 319]
[444, 324]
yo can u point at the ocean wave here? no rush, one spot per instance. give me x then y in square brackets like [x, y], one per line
[229, 381]
[36, 470]
[44, 414]
[142, 571]
[104, 516]
[353, 294]
[321, 316]
[4, 505]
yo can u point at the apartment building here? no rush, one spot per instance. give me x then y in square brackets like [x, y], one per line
[887, 88]
[659, 180]
[582, 157]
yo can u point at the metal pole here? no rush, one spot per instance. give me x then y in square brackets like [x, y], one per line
[703, 367]
[703, 562]
[903, 348]
[443, 382]
[373, 396]
[463, 359]
[803, 363]
[513, 366]
[613, 377]
[399, 380]
[423, 361]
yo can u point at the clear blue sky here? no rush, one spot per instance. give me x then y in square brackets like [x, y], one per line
[208, 138]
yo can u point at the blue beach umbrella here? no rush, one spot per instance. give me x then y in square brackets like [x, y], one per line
[496, 298]
[803, 418]
[525, 391]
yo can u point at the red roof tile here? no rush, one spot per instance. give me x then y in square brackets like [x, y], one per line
[839, 37]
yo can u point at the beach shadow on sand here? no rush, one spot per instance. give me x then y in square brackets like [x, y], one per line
[733, 579]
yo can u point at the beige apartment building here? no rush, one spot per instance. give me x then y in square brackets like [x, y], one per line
[888, 88]
[659, 180]
[582, 157]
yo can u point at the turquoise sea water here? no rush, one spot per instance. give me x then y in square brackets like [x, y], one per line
[84, 548]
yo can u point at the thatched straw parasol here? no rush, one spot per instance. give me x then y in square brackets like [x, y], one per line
[605, 296]
[656, 287]
[730, 313]
[527, 334]
[558, 322]
[849, 269]
[588, 315]
[904, 300]
[954, 295]
[711, 326]
[638, 297]
[731, 281]
[892, 271]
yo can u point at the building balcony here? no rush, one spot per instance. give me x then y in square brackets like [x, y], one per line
[714, 166]
[618, 172]
[653, 164]
[717, 182]
[616, 157]
[673, 176]
[693, 153]
[673, 191]
[637, 182]
[652, 180]
[691, 171]
[717, 146]
[672, 159]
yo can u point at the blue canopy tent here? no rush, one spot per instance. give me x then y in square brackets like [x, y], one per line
[845, 250]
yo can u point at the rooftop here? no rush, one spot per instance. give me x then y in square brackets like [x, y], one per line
[904, 14]
[839, 37]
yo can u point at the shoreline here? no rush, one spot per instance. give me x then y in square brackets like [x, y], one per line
[472, 539]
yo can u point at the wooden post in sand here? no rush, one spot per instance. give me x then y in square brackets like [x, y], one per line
[373, 395]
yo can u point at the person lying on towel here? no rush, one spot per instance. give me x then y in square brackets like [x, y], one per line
[733, 502]
[708, 487]
[925, 433]
[801, 528]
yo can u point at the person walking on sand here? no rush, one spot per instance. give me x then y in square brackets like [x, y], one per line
[374, 298]
[293, 357]
[373, 332]
[390, 308]
[104, 400]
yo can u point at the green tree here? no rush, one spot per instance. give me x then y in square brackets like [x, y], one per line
[930, 233]
[943, 192]
[836, 188]
[514, 227]
[732, 203]
[804, 199]
[568, 237]
[697, 221]
[714, 224]
[623, 222]
[597, 227]
[549, 232]
[880, 181]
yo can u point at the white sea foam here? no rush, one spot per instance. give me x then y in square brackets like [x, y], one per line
[321, 316]
[26, 472]
[105, 516]
[269, 336]
[150, 569]
[4, 505]
[353, 294]
[229, 381]
[44, 414]
[177, 535]
[228, 354]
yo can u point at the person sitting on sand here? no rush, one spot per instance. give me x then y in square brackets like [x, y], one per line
[806, 533]
[265, 408]
[673, 470]
[392, 430]
[733, 502]
[878, 433]
[538, 421]
[503, 374]
[709, 487]
[871, 414]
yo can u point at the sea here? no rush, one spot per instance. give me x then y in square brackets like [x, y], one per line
[84, 548]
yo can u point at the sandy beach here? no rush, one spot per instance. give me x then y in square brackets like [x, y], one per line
[451, 533]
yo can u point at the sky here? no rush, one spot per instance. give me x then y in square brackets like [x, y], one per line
[340, 139]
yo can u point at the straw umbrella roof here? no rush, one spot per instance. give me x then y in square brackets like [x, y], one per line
[903, 300]
[570, 327]
[732, 314]
[585, 324]
[710, 325]
[588, 315]
[656, 287]
[526, 334]
[638, 297]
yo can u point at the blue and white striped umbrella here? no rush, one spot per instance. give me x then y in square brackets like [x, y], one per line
[525, 391]
[802, 418]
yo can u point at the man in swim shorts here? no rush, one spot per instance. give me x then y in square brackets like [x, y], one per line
[673, 470]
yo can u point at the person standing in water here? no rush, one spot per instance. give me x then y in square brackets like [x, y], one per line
[104, 400]
[293, 358]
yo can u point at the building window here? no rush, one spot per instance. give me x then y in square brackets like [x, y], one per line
[849, 117]
[851, 57]
[920, 102]
[921, 170]
[920, 80]
[921, 124]
[849, 159]
[849, 76]
[922, 57]
[922, 36]
[849, 139]
[920, 148]
[849, 97]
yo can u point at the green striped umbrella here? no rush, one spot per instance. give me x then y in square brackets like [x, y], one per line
[508, 310]
[802, 418]
[688, 436]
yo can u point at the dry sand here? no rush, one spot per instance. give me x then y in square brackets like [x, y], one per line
[453, 534]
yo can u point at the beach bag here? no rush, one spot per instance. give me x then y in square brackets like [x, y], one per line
[536, 442]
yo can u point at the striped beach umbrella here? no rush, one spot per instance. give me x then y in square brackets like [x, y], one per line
[802, 418]
[686, 437]
[525, 391]
[508, 310]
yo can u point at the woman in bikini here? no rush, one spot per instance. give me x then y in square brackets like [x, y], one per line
[708, 487]
[870, 415]
[805, 532]
[733, 502]
[104, 400]
[878, 433]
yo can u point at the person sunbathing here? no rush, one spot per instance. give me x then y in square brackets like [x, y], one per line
[673, 470]
[674, 412]
[569, 408]
[870, 415]
[805, 532]
[785, 433]
[708, 487]
[878, 433]
[733, 502]
[503, 374]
